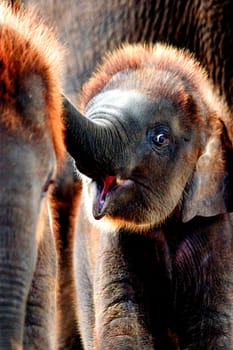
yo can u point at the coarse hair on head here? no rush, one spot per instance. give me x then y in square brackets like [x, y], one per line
[147, 61]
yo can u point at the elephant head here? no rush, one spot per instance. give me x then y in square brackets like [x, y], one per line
[32, 149]
[153, 141]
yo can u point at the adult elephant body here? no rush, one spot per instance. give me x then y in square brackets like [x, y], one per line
[89, 28]
[32, 150]
[153, 249]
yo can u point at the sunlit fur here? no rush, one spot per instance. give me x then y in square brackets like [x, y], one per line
[27, 46]
[142, 57]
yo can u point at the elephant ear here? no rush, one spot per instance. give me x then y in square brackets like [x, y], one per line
[211, 190]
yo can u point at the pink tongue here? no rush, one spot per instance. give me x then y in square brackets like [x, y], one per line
[108, 180]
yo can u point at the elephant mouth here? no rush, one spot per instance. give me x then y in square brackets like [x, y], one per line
[106, 189]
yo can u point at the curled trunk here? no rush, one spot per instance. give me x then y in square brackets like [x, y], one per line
[88, 142]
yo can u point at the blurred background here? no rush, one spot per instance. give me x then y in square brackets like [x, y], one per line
[88, 28]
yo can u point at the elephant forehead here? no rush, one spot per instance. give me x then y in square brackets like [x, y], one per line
[132, 107]
[121, 100]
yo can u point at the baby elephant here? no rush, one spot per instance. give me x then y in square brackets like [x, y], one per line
[153, 249]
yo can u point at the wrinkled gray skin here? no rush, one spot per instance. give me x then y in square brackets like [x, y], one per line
[90, 27]
[153, 250]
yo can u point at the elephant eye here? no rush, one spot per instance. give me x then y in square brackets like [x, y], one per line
[161, 138]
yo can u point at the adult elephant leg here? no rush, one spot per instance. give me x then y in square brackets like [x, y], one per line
[40, 325]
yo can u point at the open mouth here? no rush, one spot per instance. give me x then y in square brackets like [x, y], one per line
[105, 188]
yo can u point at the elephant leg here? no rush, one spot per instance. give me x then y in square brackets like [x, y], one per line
[40, 321]
[120, 322]
[132, 294]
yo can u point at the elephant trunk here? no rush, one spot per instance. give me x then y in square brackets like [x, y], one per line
[88, 142]
[17, 264]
